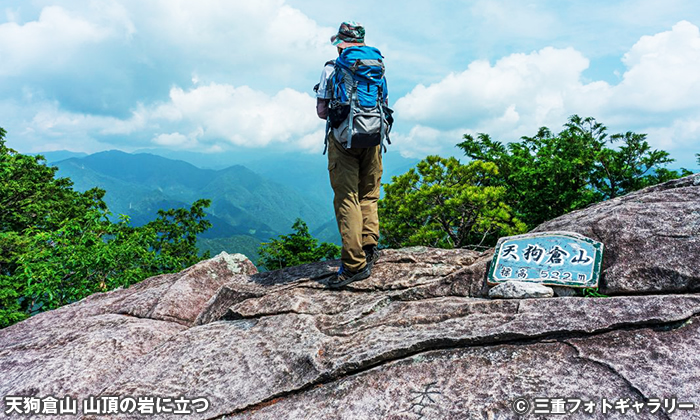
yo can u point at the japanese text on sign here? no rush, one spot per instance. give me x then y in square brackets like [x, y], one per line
[558, 259]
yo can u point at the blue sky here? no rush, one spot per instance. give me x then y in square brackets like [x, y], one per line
[213, 76]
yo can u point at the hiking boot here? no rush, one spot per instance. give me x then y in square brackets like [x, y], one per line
[372, 254]
[344, 276]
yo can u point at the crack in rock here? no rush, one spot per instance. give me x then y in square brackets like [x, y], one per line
[559, 336]
[615, 372]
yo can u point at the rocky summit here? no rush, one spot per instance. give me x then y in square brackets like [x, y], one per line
[419, 339]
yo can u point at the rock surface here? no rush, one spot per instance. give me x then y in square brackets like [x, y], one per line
[520, 290]
[416, 340]
[651, 237]
[81, 348]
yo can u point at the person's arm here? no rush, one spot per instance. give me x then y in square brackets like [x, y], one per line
[321, 99]
[322, 108]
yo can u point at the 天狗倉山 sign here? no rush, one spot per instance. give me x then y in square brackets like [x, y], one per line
[553, 258]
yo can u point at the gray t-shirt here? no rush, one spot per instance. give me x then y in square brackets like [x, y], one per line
[325, 75]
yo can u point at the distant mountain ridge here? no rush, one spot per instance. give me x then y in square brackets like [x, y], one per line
[305, 173]
[244, 204]
[59, 155]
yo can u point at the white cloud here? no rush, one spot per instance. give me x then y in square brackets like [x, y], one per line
[663, 72]
[50, 120]
[241, 115]
[422, 141]
[216, 73]
[267, 41]
[659, 94]
[533, 88]
[682, 134]
[178, 141]
[173, 139]
[211, 114]
[313, 142]
[105, 57]
[52, 42]
[119, 71]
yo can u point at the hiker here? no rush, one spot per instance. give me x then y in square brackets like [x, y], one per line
[352, 98]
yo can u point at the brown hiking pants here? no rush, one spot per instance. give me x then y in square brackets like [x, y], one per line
[355, 177]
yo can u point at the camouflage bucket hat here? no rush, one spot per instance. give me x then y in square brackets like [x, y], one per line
[349, 34]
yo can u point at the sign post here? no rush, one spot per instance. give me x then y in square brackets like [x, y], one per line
[551, 258]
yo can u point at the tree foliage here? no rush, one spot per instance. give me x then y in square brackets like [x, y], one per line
[297, 248]
[443, 203]
[550, 174]
[58, 245]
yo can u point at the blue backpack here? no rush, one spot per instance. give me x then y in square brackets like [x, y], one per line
[358, 114]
